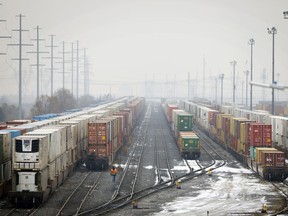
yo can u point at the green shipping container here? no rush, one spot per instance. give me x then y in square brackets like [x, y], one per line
[191, 143]
[252, 153]
[184, 121]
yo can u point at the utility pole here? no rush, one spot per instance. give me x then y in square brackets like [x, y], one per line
[189, 86]
[63, 64]
[77, 70]
[20, 59]
[273, 31]
[233, 63]
[251, 42]
[216, 90]
[263, 76]
[246, 104]
[277, 81]
[52, 57]
[37, 60]
[204, 64]
[3, 37]
[221, 76]
[72, 69]
[242, 91]
[86, 74]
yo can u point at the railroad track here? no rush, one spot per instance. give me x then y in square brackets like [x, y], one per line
[124, 195]
[122, 199]
[72, 205]
[126, 187]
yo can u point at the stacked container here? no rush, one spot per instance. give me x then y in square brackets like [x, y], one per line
[182, 121]
[189, 145]
[169, 109]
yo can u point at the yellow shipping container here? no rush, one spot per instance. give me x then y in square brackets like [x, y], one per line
[222, 137]
[241, 147]
[233, 125]
[243, 133]
[213, 130]
[219, 120]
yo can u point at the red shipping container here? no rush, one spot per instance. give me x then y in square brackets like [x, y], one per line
[170, 109]
[100, 150]
[3, 127]
[267, 158]
[272, 158]
[212, 117]
[255, 135]
[98, 132]
[279, 159]
[267, 135]
[226, 124]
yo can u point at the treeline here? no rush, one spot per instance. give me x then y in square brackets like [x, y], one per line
[61, 101]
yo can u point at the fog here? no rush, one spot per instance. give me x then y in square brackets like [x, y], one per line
[146, 48]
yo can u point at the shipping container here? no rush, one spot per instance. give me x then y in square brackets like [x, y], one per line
[258, 150]
[272, 158]
[30, 152]
[260, 135]
[182, 120]
[5, 146]
[169, 109]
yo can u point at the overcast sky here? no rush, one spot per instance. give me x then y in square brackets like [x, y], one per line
[164, 39]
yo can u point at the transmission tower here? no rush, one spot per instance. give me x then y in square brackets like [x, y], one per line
[38, 61]
[20, 59]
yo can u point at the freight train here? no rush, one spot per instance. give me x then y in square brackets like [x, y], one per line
[46, 151]
[181, 123]
[250, 139]
[108, 133]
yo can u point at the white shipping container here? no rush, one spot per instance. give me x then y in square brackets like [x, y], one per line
[74, 131]
[69, 157]
[6, 146]
[30, 152]
[54, 148]
[90, 117]
[63, 135]
[64, 161]
[52, 170]
[101, 113]
[58, 164]
[7, 170]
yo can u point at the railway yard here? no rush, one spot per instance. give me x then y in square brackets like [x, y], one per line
[154, 179]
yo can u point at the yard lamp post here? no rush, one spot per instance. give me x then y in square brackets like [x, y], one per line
[251, 42]
[233, 63]
[221, 76]
[272, 31]
[247, 73]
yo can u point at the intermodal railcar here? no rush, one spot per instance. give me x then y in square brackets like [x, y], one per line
[181, 123]
[107, 134]
[250, 139]
[47, 151]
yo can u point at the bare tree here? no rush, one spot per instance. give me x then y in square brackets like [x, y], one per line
[62, 100]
